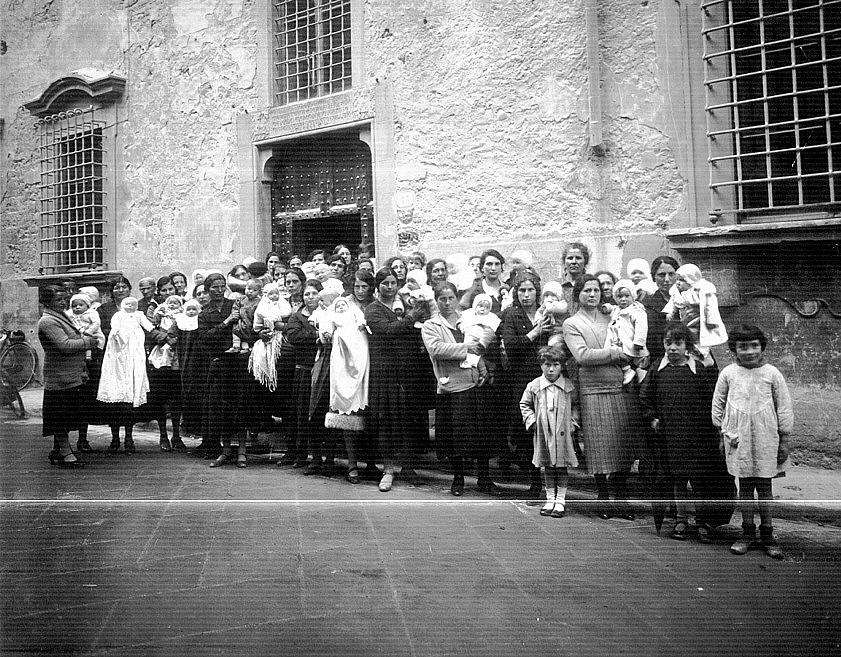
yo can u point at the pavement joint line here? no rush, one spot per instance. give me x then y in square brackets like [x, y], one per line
[393, 588]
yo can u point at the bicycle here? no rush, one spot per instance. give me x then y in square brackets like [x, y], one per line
[18, 360]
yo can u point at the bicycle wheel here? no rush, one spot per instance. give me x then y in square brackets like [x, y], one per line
[18, 364]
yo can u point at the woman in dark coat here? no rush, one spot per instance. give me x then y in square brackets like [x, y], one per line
[283, 398]
[215, 338]
[522, 339]
[193, 372]
[64, 374]
[303, 338]
[390, 337]
[663, 271]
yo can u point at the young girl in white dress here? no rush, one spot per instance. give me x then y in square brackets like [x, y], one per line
[752, 408]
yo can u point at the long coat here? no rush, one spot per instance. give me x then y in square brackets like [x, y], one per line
[389, 339]
[547, 406]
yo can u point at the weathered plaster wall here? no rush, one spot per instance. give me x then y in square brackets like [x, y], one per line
[190, 67]
[491, 120]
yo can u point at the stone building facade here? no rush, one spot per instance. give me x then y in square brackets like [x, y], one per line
[226, 128]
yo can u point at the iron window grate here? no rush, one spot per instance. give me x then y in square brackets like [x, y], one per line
[772, 76]
[312, 46]
[72, 191]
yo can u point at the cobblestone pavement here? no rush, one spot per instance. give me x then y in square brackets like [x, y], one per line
[156, 554]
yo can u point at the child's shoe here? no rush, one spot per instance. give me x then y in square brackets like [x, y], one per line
[746, 540]
[679, 531]
[546, 509]
[628, 376]
[772, 548]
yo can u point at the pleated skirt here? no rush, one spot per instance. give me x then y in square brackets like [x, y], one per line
[610, 426]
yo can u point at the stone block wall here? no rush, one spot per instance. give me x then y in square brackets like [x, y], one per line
[191, 69]
[491, 120]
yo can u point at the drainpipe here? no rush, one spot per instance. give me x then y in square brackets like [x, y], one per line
[594, 73]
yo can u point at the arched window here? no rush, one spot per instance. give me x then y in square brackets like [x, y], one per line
[75, 134]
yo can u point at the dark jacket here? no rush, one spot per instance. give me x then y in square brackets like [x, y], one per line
[64, 351]
[214, 334]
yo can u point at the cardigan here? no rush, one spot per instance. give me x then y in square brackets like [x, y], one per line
[64, 351]
[447, 352]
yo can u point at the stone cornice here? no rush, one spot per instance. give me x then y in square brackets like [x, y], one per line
[99, 85]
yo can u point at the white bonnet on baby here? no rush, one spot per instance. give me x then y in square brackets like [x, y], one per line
[84, 298]
[91, 292]
[690, 273]
[553, 287]
[638, 264]
[482, 298]
[271, 287]
[326, 297]
[624, 283]
[523, 256]
[418, 276]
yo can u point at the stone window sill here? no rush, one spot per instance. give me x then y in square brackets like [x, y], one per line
[721, 237]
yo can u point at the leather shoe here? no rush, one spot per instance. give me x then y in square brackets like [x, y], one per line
[488, 487]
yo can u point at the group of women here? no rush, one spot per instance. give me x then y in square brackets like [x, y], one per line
[366, 368]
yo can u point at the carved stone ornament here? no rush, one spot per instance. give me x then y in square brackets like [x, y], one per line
[100, 86]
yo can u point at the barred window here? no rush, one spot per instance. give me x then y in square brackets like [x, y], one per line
[72, 191]
[773, 100]
[312, 46]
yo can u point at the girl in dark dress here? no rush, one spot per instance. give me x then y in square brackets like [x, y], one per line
[676, 398]
[390, 337]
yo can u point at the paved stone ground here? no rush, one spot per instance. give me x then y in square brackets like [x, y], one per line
[156, 554]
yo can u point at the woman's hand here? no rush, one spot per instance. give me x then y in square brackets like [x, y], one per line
[279, 325]
[539, 328]
[655, 424]
[233, 317]
[265, 334]
[475, 349]
[326, 337]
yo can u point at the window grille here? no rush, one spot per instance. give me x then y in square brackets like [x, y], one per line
[72, 191]
[772, 73]
[312, 48]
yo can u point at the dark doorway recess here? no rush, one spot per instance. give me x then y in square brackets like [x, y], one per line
[322, 193]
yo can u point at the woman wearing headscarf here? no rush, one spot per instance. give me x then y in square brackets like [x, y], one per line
[387, 343]
[64, 374]
[610, 419]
